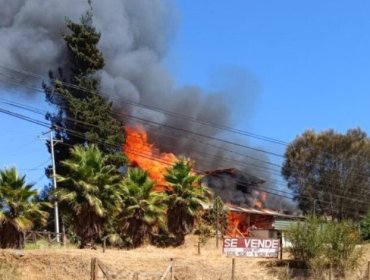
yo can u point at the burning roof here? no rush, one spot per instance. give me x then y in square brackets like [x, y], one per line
[266, 212]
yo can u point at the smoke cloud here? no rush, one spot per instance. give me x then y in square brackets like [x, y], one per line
[136, 35]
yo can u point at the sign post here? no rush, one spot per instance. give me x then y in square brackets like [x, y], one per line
[251, 247]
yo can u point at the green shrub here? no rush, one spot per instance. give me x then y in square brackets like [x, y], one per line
[307, 242]
[365, 227]
[162, 238]
[318, 245]
[341, 251]
[205, 232]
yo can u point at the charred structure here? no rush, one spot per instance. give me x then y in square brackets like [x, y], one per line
[236, 187]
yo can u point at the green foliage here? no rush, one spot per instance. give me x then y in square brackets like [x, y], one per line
[18, 208]
[90, 194]
[341, 239]
[365, 227]
[162, 238]
[186, 197]
[330, 171]
[219, 215]
[205, 232]
[83, 115]
[212, 221]
[144, 209]
[317, 245]
[307, 239]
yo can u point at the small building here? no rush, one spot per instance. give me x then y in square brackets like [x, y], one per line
[261, 223]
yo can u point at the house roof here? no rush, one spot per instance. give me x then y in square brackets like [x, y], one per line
[250, 210]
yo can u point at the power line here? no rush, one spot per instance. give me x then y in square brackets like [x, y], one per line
[37, 167]
[268, 170]
[230, 151]
[25, 118]
[158, 109]
[201, 171]
[243, 164]
[127, 116]
[159, 124]
[270, 191]
[207, 136]
[153, 108]
[202, 135]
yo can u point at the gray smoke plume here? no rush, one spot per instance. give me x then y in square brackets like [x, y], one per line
[136, 35]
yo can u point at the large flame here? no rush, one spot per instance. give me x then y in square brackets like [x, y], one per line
[143, 154]
[237, 224]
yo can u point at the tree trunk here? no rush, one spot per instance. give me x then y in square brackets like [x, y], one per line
[11, 237]
[87, 227]
[179, 239]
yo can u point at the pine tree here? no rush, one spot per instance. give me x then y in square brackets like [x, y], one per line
[83, 116]
[218, 216]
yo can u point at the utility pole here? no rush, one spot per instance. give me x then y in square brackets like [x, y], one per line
[56, 209]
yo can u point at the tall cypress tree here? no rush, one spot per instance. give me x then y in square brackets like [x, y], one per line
[83, 116]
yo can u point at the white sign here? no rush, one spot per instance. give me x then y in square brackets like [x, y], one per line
[252, 247]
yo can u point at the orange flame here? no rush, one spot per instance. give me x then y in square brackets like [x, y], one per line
[143, 154]
[237, 224]
[258, 204]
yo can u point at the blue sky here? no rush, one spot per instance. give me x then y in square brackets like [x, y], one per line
[310, 61]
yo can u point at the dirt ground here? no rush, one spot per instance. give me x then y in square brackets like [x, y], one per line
[148, 262]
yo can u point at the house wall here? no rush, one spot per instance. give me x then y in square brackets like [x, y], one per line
[241, 223]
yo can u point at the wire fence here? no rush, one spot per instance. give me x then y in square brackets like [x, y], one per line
[234, 271]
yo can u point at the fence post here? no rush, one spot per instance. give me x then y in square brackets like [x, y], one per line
[64, 239]
[281, 245]
[330, 272]
[233, 269]
[217, 226]
[368, 270]
[93, 269]
[172, 270]
[104, 244]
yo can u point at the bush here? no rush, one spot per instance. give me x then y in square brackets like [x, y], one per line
[307, 242]
[365, 227]
[162, 238]
[341, 239]
[317, 245]
[205, 232]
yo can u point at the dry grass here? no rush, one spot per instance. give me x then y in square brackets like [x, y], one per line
[148, 261]
[8, 271]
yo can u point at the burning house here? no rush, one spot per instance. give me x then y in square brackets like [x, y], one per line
[185, 120]
[249, 214]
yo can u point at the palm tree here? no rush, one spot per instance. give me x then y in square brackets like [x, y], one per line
[144, 208]
[19, 209]
[186, 197]
[90, 192]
